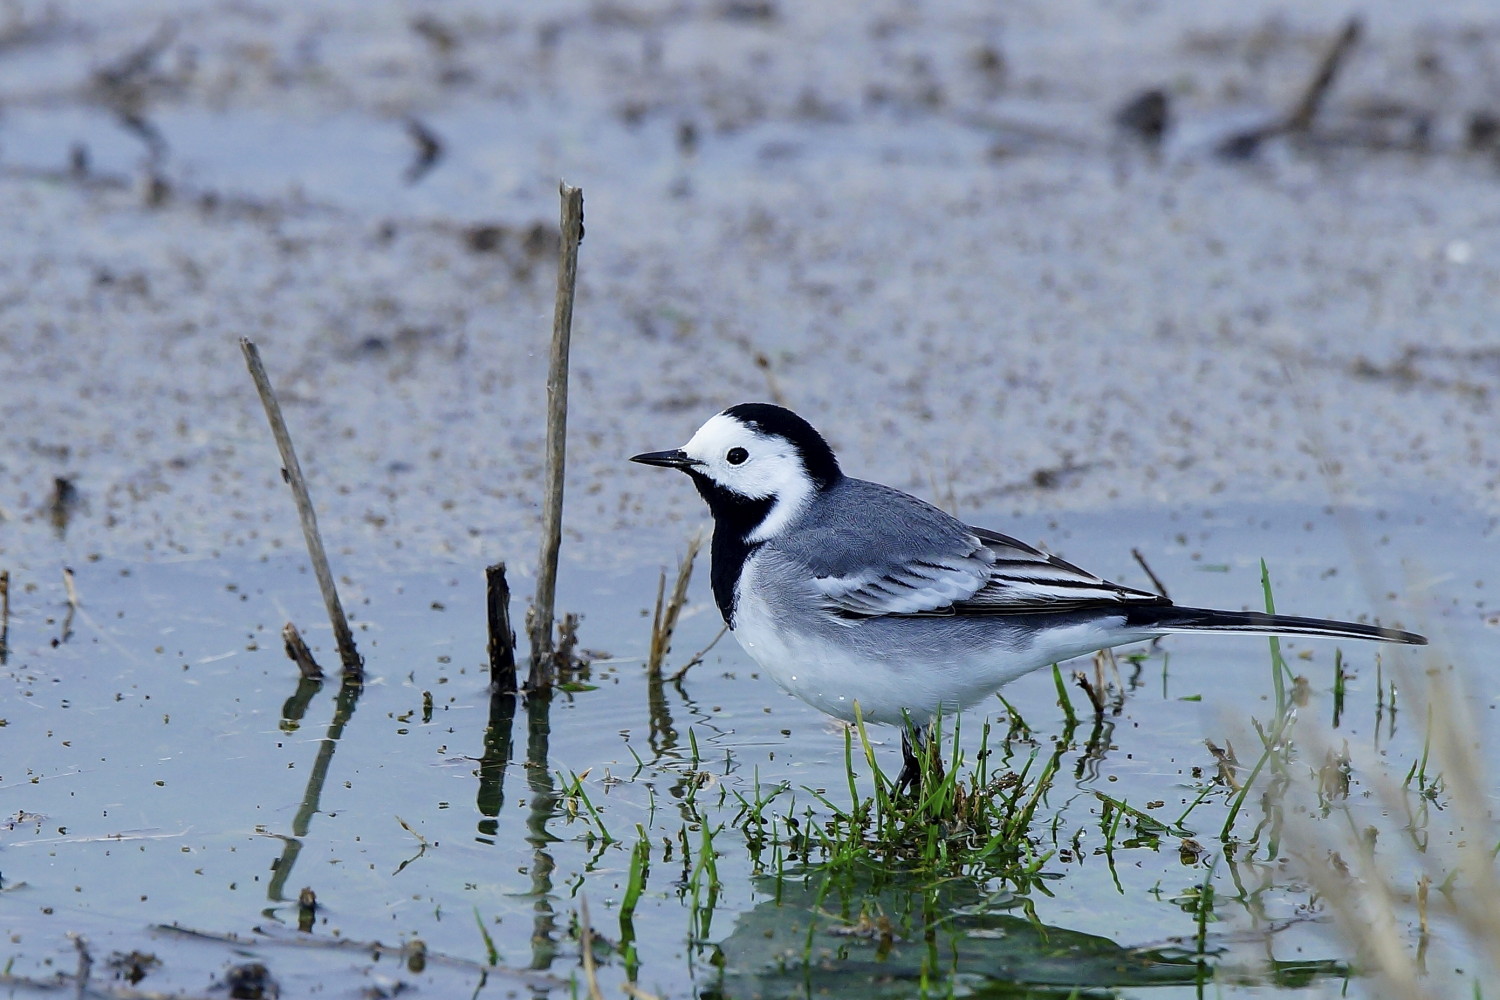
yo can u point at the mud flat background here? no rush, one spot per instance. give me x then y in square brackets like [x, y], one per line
[916, 223]
[1239, 330]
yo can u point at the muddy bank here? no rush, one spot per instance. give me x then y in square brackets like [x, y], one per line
[921, 227]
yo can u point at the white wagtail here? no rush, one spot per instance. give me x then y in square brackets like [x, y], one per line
[849, 592]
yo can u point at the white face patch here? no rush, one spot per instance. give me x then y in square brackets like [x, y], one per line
[754, 465]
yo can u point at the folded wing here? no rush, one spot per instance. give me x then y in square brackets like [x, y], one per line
[928, 563]
[1024, 579]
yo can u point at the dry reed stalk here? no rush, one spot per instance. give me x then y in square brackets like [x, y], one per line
[586, 946]
[664, 619]
[544, 606]
[292, 471]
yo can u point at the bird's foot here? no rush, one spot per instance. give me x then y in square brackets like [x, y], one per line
[913, 773]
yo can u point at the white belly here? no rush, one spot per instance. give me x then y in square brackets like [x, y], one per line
[821, 673]
[895, 668]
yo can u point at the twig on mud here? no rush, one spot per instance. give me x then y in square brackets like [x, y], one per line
[429, 151]
[502, 646]
[124, 86]
[134, 66]
[664, 619]
[1300, 118]
[292, 472]
[540, 623]
[298, 653]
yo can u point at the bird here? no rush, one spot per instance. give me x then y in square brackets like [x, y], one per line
[869, 603]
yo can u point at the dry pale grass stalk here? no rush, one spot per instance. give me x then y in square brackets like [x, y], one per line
[1373, 896]
[586, 946]
[73, 603]
[1382, 864]
[664, 618]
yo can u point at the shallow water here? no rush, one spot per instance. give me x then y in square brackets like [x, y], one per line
[159, 772]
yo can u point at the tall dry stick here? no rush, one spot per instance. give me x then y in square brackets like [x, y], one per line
[353, 662]
[557, 433]
[4, 614]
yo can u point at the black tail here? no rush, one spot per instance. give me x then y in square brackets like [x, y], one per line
[1167, 618]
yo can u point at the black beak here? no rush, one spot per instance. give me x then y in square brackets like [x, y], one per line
[674, 459]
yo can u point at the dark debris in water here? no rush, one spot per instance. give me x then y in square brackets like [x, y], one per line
[1148, 115]
[250, 981]
[133, 966]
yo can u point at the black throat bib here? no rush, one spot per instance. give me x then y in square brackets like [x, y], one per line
[735, 518]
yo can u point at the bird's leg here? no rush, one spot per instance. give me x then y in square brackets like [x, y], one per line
[910, 778]
[913, 771]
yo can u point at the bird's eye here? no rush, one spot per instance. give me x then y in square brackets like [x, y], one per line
[736, 456]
